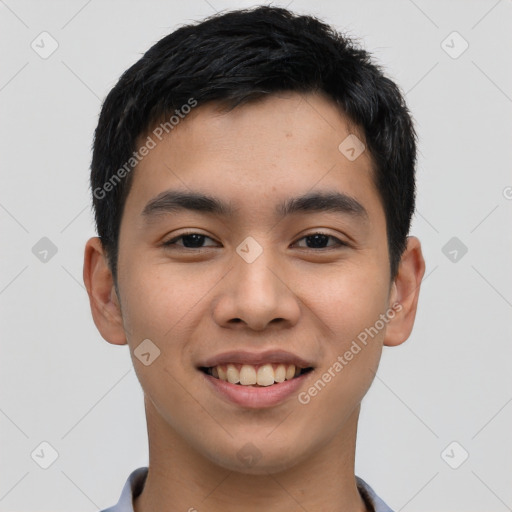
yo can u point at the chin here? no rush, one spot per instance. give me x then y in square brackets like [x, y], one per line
[259, 456]
[261, 465]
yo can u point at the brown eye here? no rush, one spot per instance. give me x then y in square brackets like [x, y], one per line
[189, 241]
[320, 241]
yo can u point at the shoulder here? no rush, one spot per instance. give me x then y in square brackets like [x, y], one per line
[370, 497]
[132, 488]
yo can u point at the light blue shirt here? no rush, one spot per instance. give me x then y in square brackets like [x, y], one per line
[135, 483]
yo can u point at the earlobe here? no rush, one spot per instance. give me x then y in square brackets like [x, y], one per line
[405, 293]
[98, 280]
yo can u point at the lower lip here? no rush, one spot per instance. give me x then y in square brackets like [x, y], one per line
[257, 397]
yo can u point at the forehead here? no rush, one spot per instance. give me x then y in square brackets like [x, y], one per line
[267, 150]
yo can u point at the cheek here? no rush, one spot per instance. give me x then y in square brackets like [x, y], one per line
[353, 348]
[346, 300]
[349, 306]
[158, 303]
[158, 297]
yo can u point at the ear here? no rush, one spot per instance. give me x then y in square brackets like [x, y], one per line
[404, 293]
[98, 280]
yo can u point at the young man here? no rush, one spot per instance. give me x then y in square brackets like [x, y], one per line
[253, 185]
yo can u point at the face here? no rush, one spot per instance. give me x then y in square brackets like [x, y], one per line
[276, 276]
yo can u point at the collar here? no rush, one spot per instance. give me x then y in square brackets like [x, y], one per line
[135, 483]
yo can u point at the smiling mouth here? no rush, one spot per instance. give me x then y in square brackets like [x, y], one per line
[261, 375]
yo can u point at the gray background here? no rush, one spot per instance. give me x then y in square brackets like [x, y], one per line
[61, 383]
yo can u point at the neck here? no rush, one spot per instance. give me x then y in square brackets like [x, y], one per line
[179, 478]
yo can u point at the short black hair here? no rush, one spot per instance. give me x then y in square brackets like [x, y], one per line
[240, 56]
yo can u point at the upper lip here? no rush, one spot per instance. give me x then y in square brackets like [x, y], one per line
[254, 358]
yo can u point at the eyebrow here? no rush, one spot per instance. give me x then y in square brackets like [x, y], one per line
[173, 201]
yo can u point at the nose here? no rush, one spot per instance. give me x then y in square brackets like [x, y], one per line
[256, 294]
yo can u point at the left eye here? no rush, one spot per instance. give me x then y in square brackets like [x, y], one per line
[196, 240]
[318, 240]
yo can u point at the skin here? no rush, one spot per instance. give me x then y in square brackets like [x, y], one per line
[196, 303]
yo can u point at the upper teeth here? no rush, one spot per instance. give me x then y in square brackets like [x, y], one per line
[248, 374]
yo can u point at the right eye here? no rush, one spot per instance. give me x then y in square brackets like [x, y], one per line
[191, 240]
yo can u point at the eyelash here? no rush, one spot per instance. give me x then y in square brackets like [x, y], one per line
[339, 243]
